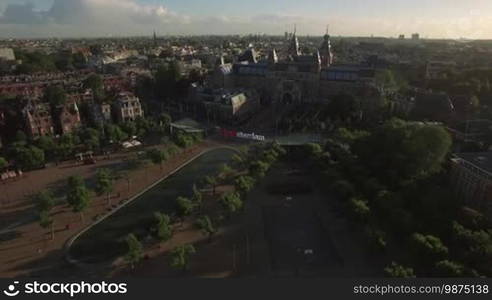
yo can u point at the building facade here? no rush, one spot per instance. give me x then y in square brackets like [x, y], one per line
[38, 120]
[297, 78]
[127, 107]
[69, 117]
[226, 104]
[471, 177]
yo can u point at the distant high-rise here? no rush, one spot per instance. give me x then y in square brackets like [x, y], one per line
[155, 39]
[401, 37]
[415, 36]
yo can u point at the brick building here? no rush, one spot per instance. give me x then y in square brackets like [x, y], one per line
[69, 117]
[38, 119]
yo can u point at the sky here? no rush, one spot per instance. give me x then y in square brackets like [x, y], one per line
[91, 18]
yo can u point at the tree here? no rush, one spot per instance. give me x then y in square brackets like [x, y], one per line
[166, 81]
[29, 157]
[114, 134]
[446, 268]
[313, 150]
[389, 80]
[180, 257]
[224, 172]
[91, 138]
[197, 197]
[165, 121]
[66, 146]
[376, 239]
[474, 246]
[78, 196]
[20, 137]
[64, 61]
[3, 163]
[130, 128]
[398, 271]
[95, 83]
[135, 250]
[158, 157]
[239, 161]
[48, 145]
[427, 149]
[79, 60]
[74, 182]
[126, 175]
[55, 95]
[184, 207]
[45, 221]
[172, 149]
[349, 137]
[212, 182]
[244, 184]
[162, 227]
[428, 248]
[33, 62]
[399, 150]
[231, 202]
[258, 168]
[206, 225]
[44, 201]
[360, 209]
[104, 183]
[184, 140]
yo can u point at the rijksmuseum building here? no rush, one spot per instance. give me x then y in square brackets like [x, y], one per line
[297, 77]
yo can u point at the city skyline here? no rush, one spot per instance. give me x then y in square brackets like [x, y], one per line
[99, 18]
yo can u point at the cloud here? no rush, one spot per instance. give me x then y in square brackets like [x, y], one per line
[21, 14]
[88, 18]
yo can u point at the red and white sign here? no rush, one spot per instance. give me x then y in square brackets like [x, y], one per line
[241, 135]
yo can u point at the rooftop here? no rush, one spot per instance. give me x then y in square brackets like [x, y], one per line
[482, 160]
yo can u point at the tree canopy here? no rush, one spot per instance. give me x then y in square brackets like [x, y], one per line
[162, 227]
[104, 183]
[78, 196]
[404, 150]
[180, 256]
[135, 250]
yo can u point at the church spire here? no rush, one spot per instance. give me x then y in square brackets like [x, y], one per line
[325, 50]
[272, 56]
[293, 50]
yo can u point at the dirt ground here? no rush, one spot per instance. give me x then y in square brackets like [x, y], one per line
[236, 250]
[269, 239]
[26, 249]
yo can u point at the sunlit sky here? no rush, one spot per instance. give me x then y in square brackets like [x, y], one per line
[75, 18]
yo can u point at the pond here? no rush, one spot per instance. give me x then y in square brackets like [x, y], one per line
[106, 240]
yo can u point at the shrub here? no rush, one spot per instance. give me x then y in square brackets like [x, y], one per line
[398, 271]
[359, 210]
